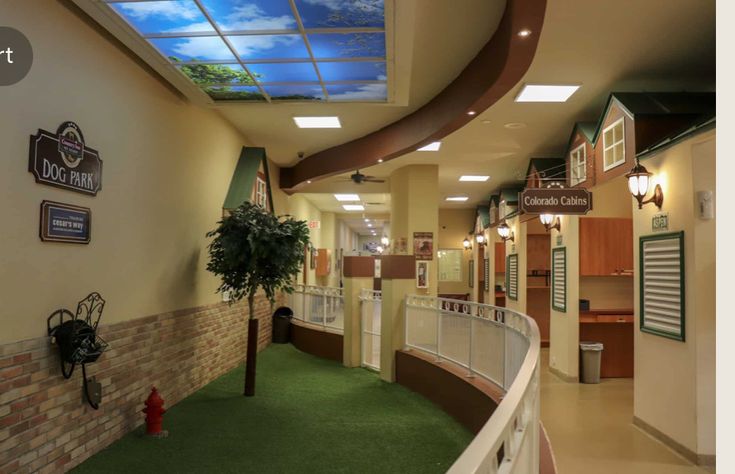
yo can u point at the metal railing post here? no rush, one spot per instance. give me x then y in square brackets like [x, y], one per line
[303, 303]
[438, 332]
[324, 312]
[405, 322]
[469, 357]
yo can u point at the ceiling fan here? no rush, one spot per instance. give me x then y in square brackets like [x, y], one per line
[359, 178]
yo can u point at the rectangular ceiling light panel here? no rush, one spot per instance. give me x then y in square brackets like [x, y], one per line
[546, 93]
[474, 178]
[353, 207]
[457, 198]
[347, 197]
[433, 146]
[317, 122]
[223, 45]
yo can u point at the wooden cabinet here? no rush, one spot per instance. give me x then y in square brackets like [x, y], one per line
[499, 257]
[323, 262]
[605, 246]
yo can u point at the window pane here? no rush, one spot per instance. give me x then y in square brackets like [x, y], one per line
[210, 48]
[357, 92]
[341, 14]
[618, 132]
[295, 92]
[216, 74]
[353, 71]
[234, 93]
[249, 15]
[348, 45]
[163, 16]
[608, 139]
[270, 47]
[284, 72]
[619, 152]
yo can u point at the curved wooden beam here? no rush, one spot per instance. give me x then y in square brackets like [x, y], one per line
[496, 69]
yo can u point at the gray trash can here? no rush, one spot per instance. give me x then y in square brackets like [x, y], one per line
[591, 357]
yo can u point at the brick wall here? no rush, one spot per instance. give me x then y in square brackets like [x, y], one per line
[45, 426]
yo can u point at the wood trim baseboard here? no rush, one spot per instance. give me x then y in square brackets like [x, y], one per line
[686, 453]
[563, 376]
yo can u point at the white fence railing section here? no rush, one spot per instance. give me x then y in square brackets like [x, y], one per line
[502, 346]
[370, 305]
[319, 305]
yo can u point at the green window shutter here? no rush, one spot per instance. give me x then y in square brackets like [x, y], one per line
[511, 276]
[559, 279]
[662, 285]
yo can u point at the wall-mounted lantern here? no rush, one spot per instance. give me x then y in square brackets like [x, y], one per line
[505, 233]
[547, 219]
[466, 244]
[385, 241]
[480, 238]
[638, 180]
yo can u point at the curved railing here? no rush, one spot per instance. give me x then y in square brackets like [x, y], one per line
[319, 305]
[500, 345]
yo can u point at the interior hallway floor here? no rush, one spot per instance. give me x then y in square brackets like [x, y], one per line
[591, 429]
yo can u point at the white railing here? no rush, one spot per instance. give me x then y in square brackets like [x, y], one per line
[500, 345]
[370, 307]
[319, 305]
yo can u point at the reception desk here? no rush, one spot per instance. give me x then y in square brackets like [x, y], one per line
[614, 329]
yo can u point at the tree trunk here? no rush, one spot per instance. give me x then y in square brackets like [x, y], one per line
[252, 352]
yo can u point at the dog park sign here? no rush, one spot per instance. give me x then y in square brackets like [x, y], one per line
[556, 201]
[62, 159]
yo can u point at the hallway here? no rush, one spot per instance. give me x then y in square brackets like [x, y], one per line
[591, 425]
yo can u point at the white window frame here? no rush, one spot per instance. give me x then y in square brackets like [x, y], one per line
[611, 146]
[261, 193]
[573, 165]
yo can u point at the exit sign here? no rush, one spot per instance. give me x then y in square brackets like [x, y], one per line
[660, 222]
[315, 224]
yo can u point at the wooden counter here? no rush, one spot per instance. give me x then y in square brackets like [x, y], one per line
[614, 329]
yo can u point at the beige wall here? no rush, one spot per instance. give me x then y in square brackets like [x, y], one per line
[302, 209]
[454, 225]
[167, 167]
[675, 387]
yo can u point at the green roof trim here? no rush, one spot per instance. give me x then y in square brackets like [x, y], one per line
[510, 195]
[587, 129]
[483, 213]
[243, 179]
[495, 198]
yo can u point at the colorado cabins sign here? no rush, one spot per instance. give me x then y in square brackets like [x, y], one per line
[556, 201]
[62, 159]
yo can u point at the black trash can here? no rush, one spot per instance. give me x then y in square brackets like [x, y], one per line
[282, 325]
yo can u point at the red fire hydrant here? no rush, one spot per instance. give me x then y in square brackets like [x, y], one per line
[154, 415]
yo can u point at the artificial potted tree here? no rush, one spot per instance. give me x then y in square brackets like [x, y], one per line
[254, 249]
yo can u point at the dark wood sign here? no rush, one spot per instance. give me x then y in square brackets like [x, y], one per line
[62, 159]
[556, 201]
[65, 223]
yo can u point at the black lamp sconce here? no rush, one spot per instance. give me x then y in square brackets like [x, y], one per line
[467, 244]
[639, 179]
[547, 219]
[505, 233]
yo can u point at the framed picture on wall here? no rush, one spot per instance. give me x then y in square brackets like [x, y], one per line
[422, 274]
[471, 278]
[423, 245]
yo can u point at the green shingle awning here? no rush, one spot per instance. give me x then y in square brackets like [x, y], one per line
[243, 179]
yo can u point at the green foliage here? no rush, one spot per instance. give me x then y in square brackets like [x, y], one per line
[204, 74]
[253, 248]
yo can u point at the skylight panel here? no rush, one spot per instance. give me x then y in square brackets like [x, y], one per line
[284, 72]
[353, 71]
[234, 93]
[357, 92]
[204, 74]
[251, 15]
[171, 16]
[295, 92]
[348, 45]
[336, 14]
[270, 47]
[208, 48]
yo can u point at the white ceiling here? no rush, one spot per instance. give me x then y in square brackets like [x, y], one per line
[377, 209]
[610, 45]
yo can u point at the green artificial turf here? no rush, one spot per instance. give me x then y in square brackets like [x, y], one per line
[309, 415]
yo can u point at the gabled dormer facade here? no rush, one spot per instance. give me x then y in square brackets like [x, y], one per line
[543, 171]
[632, 122]
[508, 204]
[250, 181]
[493, 210]
[580, 156]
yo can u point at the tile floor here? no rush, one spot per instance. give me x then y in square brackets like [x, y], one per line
[591, 430]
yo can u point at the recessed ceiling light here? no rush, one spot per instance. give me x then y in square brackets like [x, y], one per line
[347, 197]
[370, 225]
[515, 125]
[308, 181]
[353, 207]
[367, 220]
[545, 93]
[524, 33]
[433, 146]
[380, 160]
[477, 178]
[457, 198]
[317, 122]
[486, 122]
[471, 112]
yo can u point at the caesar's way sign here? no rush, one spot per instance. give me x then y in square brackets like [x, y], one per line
[556, 201]
[62, 159]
